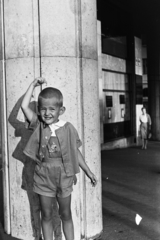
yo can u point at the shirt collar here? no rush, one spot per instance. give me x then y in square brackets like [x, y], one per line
[55, 126]
[60, 123]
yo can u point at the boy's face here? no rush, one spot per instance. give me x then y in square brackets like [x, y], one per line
[49, 110]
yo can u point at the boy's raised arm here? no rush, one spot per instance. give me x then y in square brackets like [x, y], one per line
[27, 97]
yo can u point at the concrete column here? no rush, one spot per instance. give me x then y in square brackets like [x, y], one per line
[58, 40]
[153, 56]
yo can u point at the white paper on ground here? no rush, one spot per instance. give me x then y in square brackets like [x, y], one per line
[138, 219]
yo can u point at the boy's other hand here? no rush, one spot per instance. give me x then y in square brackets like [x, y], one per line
[93, 179]
[39, 81]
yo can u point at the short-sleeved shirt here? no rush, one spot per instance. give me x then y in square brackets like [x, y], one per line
[68, 139]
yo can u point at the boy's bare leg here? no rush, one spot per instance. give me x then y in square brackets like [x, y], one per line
[66, 217]
[47, 217]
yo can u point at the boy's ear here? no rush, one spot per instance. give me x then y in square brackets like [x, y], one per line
[62, 110]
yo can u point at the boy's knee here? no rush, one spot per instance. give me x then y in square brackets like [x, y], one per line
[66, 216]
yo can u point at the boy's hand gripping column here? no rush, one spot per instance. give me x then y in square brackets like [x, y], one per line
[27, 97]
[39, 81]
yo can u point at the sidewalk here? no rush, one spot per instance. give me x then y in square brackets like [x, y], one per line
[131, 190]
[131, 187]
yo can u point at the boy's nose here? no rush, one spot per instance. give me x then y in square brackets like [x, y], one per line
[47, 112]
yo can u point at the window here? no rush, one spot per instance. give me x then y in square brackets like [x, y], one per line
[122, 99]
[109, 101]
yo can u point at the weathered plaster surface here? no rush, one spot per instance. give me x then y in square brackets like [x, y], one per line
[68, 60]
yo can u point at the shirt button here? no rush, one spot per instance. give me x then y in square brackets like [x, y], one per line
[43, 146]
[46, 137]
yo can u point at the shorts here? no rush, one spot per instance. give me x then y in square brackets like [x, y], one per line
[51, 180]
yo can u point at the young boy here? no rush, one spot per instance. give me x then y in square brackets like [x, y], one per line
[54, 146]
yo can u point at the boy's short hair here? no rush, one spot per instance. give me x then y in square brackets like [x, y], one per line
[51, 92]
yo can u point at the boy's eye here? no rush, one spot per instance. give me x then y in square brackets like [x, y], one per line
[44, 109]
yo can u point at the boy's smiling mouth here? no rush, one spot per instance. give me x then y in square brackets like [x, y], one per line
[48, 118]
